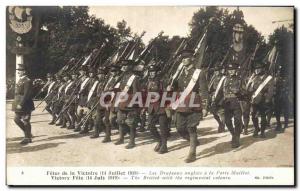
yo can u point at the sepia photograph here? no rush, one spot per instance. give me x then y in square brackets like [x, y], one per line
[150, 95]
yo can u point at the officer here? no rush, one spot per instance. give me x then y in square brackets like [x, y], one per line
[156, 113]
[193, 82]
[127, 115]
[23, 104]
[261, 98]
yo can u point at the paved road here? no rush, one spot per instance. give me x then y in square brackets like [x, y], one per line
[53, 146]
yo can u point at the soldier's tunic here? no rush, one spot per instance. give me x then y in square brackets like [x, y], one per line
[261, 102]
[112, 86]
[23, 98]
[216, 107]
[157, 114]
[127, 116]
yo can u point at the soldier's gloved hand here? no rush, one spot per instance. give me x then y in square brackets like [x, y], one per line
[19, 106]
[205, 112]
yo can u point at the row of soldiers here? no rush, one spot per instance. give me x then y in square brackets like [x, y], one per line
[73, 99]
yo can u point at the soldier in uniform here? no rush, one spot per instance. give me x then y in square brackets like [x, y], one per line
[216, 108]
[52, 96]
[82, 97]
[70, 99]
[188, 118]
[156, 113]
[23, 104]
[281, 99]
[100, 110]
[232, 92]
[61, 100]
[49, 84]
[127, 116]
[112, 86]
[88, 124]
[260, 100]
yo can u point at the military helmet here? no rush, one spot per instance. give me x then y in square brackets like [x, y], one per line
[138, 68]
[231, 66]
[114, 67]
[259, 65]
[186, 53]
[153, 68]
[92, 70]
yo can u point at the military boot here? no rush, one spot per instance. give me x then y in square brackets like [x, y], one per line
[193, 145]
[236, 141]
[53, 119]
[121, 136]
[131, 143]
[96, 133]
[157, 146]
[107, 134]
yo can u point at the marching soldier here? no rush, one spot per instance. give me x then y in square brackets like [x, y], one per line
[112, 86]
[88, 123]
[70, 99]
[82, 97]
[23, 104]
[157, 114]
[127, 115]
[100, 110]
[281, 99]
[261, 90]
[61, 100]
[192, 83]
[216, 108]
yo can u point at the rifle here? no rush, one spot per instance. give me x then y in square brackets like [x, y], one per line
[85, 118]
[40, 91]
[173, 59]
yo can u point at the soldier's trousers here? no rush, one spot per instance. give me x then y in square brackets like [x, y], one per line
[111, 119]
[72, 115]
[186, 125]
[22, 119]
[232, 109]
[218, 114]
[281, 106]
[259, 109]
[127, 120]
[99, 123]
[162, 120]
[246, 107]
